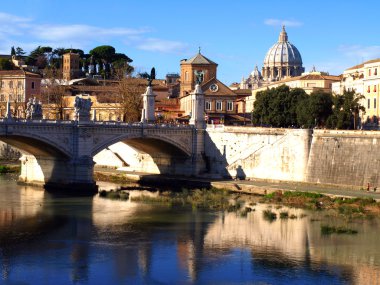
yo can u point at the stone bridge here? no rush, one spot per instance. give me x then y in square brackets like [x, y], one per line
[60, 153]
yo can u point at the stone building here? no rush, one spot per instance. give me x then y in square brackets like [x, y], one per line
[221, 105]
[71, 66]
[17, 86]
[364, 79]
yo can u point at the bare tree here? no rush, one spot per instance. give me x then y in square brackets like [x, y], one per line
[129, 98]
[54, 94]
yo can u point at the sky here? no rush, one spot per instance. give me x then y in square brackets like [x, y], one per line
[331, 35]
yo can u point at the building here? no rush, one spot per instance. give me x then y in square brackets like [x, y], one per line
[221, 103]
[282, 61]
[364, 79]
[71, 66]
[17, 86]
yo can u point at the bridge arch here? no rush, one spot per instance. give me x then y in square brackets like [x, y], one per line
[35, 145]
[148, 143]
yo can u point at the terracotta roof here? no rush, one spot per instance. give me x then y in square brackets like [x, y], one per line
[223, 90]
[198, 59]
[362, 64]
[244, 92]
[19, 72]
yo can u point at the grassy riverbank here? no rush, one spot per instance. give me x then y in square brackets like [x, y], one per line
[351, 207]
[9, 169]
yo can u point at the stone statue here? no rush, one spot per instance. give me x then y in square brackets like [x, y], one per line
[33, 109]
[82, 108]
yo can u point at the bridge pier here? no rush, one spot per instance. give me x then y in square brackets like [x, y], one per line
[56, 174]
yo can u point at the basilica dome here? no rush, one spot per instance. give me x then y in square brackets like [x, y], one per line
[282, 60]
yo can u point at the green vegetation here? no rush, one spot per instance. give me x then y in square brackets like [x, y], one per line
[207, 199]
[349, 207]
[114, 195]
[269, 215]
[284, 215]
[327, 230]
[284, 107]
[9, 169]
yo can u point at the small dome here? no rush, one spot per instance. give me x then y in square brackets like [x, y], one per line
[283, 53]
[256, 73]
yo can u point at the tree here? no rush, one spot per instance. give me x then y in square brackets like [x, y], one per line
[106, 53]
[5, 64]
[277, 106]
[130, 99]
[54, 95]
[346, 109]
[13, 51]
[19, 52]
[315, 109]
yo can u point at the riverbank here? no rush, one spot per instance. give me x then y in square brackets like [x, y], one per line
[257, 186]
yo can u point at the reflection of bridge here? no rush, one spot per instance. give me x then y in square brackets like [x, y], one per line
[60, 153]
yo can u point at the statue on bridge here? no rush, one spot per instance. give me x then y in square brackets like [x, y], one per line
[33, 109]
[82, 108]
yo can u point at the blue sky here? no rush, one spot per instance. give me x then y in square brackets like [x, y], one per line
[332, 35]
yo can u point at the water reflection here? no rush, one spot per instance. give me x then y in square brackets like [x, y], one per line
[99, 241]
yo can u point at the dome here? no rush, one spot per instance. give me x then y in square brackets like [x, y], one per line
[256, 73]
[283, 53]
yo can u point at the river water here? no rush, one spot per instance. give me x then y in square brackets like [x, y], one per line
[46, 239]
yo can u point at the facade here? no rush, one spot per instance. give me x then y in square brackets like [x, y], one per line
[71, 66]
[221, 103]
[17, 86]
[364, 79]
[310, 82]
[190, 68]
[282, 61]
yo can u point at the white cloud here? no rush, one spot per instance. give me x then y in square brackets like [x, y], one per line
[279, 22]
[160, 45]
[8, 18]
[360, 52]
[71, 32]
[25, 32]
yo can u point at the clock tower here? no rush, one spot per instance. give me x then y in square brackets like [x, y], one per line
[197, 68]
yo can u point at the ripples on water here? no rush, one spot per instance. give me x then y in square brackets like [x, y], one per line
[63, 240]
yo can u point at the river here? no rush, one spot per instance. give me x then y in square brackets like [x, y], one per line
[49, 239]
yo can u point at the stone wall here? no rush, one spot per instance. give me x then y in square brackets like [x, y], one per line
[265, 153]
[344, 157]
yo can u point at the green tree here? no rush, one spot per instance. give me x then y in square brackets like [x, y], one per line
[277, 106]
[346, 109]
[106, 53]
[5, 64]
[19, 52]
[315, 109]
[13, 51]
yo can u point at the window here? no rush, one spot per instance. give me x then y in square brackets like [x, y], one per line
[374, 88]
[375, 73]
[369, 72]
[19, 84]
[2, 98]
[230, 105]
[368, 89]
[11, 84]
[186, 76]
[1, 84]
[208, 105]
[369, 104]
[19, 98]
[374, 103]
[33, 85]
[219, 106]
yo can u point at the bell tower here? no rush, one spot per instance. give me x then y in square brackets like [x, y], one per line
[71, 66]
[198, 66]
